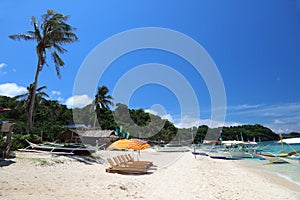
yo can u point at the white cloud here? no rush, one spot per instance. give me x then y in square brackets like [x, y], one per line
[153, 112]
[78, 101]
[168, 117]
[278, 121]
[278, 117]
[56, 96]
[188, 122]
[11, 89]
[60, 99]
[215, 124]
[55, 93]
[243, 107]
[284, 127]
[163, 116]
[2, 65]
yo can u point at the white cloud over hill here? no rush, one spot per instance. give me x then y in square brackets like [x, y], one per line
[11, 89]
[78, 101]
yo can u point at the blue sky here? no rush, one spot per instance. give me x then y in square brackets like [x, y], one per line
[254, 44]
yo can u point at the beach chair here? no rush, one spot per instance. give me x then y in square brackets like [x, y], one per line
[114, 168]
[123, 160]
[126, 164]
[130, 159]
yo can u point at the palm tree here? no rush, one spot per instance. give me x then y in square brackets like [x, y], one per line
[102, 101]
[26, 99]
[50, 35]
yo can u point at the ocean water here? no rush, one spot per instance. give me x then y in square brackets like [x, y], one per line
[275, 147]
[285, 170]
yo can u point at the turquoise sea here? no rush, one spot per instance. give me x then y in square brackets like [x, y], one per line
[275, 147]
[285, 170]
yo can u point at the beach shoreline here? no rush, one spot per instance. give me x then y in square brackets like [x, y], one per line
[181, 176]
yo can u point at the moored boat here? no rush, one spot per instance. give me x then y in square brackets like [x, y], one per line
[292, 160]
[172, 148]
[72, 149]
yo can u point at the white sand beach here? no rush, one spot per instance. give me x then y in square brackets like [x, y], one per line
[178, 176]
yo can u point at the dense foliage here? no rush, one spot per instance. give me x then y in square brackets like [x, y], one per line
[249, 133]
[50, 118]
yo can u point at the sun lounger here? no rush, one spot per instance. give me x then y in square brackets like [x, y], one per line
[125, 169]
[120, 163]
[130, 159]
[130, 162]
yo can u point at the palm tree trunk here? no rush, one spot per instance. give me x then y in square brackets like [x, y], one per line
[32, 101]
[95, 118]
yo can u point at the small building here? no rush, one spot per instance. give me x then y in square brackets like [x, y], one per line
[100, 138]
[93, 137]
[69, 136]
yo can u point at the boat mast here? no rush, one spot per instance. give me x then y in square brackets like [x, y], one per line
[282, 146]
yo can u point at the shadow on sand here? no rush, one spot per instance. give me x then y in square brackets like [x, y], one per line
[89, 160]
[5, 163]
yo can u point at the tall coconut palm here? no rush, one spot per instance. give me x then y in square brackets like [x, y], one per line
[102, 101]
[50, 35]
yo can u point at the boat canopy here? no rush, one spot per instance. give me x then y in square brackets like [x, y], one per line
[232, 142]
[290, 141]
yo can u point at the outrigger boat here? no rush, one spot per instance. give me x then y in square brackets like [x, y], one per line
[293, 160]
[172, 148]
[275, 158]
[69, 149]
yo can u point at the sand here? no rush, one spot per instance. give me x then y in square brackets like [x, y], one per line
[178, 176]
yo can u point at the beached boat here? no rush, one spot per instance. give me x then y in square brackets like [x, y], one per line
[236, 150]
[275, 157]
[200, 153]
[172, 148]
[221, 155]
[232, 155]
[204, 151]
[272, 158]
[71, 149]
[293, 160]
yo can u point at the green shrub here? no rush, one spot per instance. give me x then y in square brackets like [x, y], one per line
[19, 141]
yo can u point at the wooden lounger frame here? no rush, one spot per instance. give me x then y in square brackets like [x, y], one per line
[124, 164]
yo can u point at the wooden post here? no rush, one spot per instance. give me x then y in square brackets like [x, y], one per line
[7, 128]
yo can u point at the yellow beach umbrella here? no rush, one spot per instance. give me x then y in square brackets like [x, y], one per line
[128, 144]
[146, 146]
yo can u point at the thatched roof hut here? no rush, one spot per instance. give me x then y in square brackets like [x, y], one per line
[69, 136]
[102, 138]
[93, 137]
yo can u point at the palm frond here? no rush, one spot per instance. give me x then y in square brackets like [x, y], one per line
[21, 36]
[41, 88]
[60, 49]
[32, 34]
[58, 62]
[43, 94]
[36, 31]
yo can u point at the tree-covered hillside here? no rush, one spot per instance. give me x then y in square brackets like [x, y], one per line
[50, 118]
